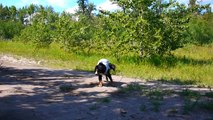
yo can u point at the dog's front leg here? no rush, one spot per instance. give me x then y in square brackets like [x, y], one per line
[100, 84]
[110, 78]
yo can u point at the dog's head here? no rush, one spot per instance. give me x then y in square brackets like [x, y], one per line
[100, 69]
[112, 66]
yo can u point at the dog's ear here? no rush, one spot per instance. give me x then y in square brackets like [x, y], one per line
[96, 67]
[96, 70]
[112, 66]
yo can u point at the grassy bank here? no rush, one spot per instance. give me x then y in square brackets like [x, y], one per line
[189, 65]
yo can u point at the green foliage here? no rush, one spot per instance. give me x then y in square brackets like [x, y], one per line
[75, 35]
[201, 31]
[148, 27]
[38, 34]
[142, 28]
[9, 29]
[64, 31]
[41, 29]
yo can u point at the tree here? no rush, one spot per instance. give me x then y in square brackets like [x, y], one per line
[13, 12]
[21, 14]
[39, 32]
[4, 12]
[192, 3]
[200, 29]
[82, 4]
[85, 8]
[64, 31]
[31, 9]
[154, 27]
[91, 7]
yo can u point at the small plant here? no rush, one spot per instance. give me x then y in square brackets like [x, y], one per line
[93, 107]
[208, 106]
[189, 93]
[155, 105]
[156, 97]
[132, 87]
[188, 106]
[155, 94]
[143, 107]
[66, 88]
[172, 112]
[191, 100]
[105, 100]
[209, 94]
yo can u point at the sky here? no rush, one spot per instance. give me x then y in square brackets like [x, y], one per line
[71, 5]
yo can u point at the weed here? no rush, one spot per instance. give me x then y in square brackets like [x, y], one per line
[207, 106]
[188, 106]
[105, 100]
[155, 105]
[132, 87]
[66, 88]
[172, 112]
[93, 107]
[190, 94]
[209, 94]
[156, 94]
[156, 97]
[143, 107]
[191, 99]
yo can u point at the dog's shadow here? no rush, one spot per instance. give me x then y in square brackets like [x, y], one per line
[107, 84]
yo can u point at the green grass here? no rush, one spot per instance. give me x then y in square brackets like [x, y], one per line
[52, 56]
[189, 65]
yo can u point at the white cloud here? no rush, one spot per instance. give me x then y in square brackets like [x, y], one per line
[72, 10]
[59, 3]
[183, 1]
[27, 2]
[108, 5]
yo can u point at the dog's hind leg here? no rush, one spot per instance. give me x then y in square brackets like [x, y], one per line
[110, 78]
[108, 75]
[107, 78]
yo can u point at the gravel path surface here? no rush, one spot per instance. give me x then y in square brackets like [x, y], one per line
[29, 91]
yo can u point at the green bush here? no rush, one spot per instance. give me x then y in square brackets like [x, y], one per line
[9, 29]
[201, 30]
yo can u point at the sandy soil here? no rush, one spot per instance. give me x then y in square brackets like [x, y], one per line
[29, 91]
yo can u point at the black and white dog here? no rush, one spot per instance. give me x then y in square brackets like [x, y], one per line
[103, 67]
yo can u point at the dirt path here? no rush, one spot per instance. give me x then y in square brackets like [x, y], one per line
[29, 91]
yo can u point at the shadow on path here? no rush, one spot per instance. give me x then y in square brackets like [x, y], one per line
[33, 93]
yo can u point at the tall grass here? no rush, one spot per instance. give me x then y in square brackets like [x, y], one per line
[189, 65]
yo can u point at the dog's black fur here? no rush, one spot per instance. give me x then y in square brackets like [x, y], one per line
[100, 69]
